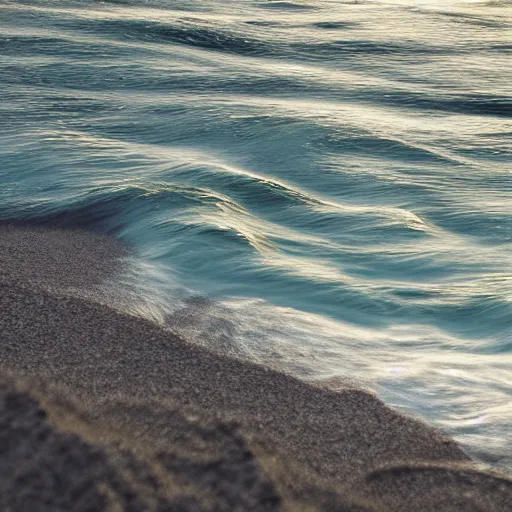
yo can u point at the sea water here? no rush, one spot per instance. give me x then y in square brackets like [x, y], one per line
[321, 186]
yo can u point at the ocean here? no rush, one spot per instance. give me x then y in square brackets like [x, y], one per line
[324, 187]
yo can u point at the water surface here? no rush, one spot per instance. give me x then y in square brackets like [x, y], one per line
[321, 186]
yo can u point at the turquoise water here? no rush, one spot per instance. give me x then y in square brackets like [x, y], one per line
[321, 186]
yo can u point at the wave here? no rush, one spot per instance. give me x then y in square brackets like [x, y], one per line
[322, 188]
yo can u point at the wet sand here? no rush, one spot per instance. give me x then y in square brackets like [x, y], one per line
[104, 411]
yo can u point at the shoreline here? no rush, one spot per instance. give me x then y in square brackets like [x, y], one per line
[206, 431]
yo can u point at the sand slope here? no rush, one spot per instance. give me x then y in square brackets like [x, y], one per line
[105, 411]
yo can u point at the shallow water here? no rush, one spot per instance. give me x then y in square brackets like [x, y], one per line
[321, 186]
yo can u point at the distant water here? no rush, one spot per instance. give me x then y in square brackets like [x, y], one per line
[318, 185]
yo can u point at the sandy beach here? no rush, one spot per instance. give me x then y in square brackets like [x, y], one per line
[100, 410]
